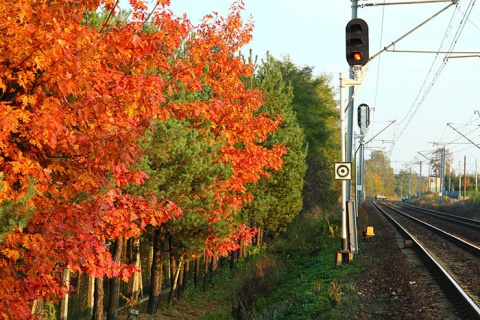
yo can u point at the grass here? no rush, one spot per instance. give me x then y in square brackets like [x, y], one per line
[292, 278]
[313, 288]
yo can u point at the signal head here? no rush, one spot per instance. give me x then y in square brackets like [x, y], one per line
[357, 47]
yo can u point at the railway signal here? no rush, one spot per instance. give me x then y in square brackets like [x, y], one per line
[357, 48]
[363, 117]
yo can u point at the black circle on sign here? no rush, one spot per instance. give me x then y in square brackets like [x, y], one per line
[343, 171]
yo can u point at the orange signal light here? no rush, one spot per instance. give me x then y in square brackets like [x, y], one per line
[357, 56]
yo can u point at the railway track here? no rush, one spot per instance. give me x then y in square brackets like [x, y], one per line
[448, 246]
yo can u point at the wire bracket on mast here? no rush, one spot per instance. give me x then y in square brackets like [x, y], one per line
[359, 74]
[347, 82]
[412, 30]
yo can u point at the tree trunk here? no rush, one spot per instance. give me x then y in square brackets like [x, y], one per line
[137, 283]
[150, 259]
[98, 299]
[180, 280]
[90, 295]
[185, 277]
[243, 249]
[233, 262]
[196, 274]
[175, 280]
[173, 270]
[156, 277]
[205, 280]
[214, 262]
[64, 302]
[112, 311]
[260, 236]
[37, 308]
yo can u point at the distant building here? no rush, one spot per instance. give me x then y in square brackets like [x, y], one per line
[434, 184]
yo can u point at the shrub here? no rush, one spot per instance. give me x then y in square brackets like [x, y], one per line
[261, 279]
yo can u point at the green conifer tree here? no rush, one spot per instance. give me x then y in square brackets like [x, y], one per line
[278, 197]
[315, 107]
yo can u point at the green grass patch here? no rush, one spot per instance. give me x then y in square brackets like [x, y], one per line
[313, 289]
[294, 277]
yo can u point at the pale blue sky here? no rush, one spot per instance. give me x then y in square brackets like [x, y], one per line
[312, 32]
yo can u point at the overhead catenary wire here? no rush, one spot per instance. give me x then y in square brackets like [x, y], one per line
[415, 106]
[379, 58]
[403, 37]
[425, 89]
[377, 85]
[457, 145]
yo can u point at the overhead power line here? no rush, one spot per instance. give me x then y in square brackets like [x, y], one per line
[425, 89]
[404, 2]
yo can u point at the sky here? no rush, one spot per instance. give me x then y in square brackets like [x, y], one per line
[432, 100]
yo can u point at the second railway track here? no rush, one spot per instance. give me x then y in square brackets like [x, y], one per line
[448, 248]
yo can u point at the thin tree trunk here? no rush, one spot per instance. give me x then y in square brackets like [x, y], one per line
[64, 302]
[207, 259]
[37, 308]
[241, 249]
[90, 295]
[196, 274]
[181, 273]
[260, 236]
[149, 259]
[112, 310]
[137, 283]
[233, 262]
[175, 281]
[186, 275]
[173, 270]
[156, 277]
[214, 262]
[98, 299]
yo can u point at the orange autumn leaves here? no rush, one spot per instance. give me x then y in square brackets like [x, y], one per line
[75, 101]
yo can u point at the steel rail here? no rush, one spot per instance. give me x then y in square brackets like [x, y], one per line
[465, 222]
[468, 306]
[473, 249]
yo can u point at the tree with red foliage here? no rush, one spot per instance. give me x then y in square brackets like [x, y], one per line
[75, 100]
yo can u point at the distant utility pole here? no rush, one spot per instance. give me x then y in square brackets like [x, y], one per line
[442, 175]
[459, 180]
[409, 179]
[420, 190]
[464, 177]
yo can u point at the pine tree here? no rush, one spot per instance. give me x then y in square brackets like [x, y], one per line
[278, 197]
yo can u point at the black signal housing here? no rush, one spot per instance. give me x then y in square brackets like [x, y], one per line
[357, 44]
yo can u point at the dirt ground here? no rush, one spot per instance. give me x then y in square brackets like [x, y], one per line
[396, 285]
[182, 310]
